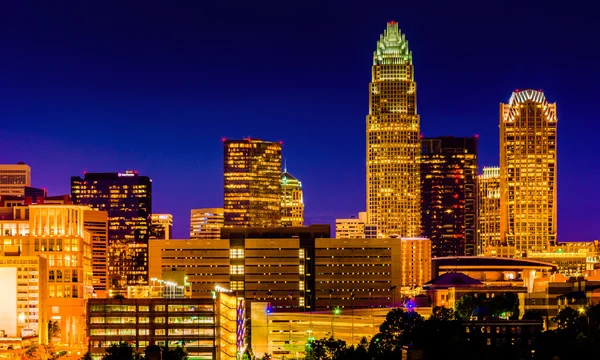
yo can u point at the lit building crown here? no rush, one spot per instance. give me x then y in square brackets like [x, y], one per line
[522, 96]
[392, 47]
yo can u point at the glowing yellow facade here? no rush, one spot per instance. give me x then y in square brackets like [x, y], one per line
[528, 172]
[393, 144]
[206, 223]
[292, 201]
[488, 210]
[252, 183]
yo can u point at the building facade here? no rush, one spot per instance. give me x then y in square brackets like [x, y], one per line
[96, 223]
[292, 200]
[14, 178]
[205, 328]
[252, 183]
[393, 146]
[528, 172]
[351, 228]
[448, 192]
[127, 197]
[488, 210]
[161, 226]
[206, 223]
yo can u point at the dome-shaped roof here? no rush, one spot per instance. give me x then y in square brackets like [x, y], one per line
[454, 279]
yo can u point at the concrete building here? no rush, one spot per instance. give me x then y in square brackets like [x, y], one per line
[206, 223]
[161, 226]
[392, 135]
[571, 258]
[212, 328]
[285, 334]
[252, 183]
[14, 178]
[352, 228]
[295, 270]
[528, 173]
[24, 294]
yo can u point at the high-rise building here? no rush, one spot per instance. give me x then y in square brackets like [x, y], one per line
[448, 193]
[161, 226]
[206, 223]
[292, 200]
[58, 234]
[528, 172]
[14, 178]
[127, 197]
[252, 183]
[415, 260]
[96, 223]
[393, 144]
[488, 210]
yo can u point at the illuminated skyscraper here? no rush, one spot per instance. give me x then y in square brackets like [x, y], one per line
[528, 172]
[127, 197]
[161, 226]
[292, 201]
[448, 173]
[14, 178]
[488, 210]
[206, 223]
[393, 146]
[252, 183]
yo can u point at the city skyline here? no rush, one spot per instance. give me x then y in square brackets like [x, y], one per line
[330, 191]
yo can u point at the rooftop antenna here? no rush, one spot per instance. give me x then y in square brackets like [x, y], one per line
[285, 165]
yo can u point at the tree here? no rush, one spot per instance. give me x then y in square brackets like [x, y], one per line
[568, 319]
[465, 306]
[87, 356]
[328, 349]
[440, 313]
[177, 353]
[40, 352]
[53, 329]
[266, 357]
[397, 330]
[121, 351]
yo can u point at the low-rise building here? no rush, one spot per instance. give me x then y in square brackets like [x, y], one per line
[206, 328]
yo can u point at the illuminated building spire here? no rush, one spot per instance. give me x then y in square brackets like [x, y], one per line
[393, 144]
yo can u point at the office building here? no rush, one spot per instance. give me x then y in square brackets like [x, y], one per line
[252, 183]
[528, 172]
[24, 294]
[96, 223]
[161, 226]
[292, 200]
[488, 211]
[14, 178]
[57, 233]
[572, 259]
[127, 197]
[298, 270]
[393, 144]
[286, 334]
[351, 228]
[206, 223]
[448, 192]
[212, 328]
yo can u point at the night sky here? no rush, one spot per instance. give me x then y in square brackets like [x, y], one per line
[154, 87]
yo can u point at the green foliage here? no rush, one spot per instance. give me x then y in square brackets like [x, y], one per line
[500, 305]
[328, 349]
[568, 319]
[87, 356]
[53, 329]
[398, 329]
[121, 351]
[441, 313]
[177, 353]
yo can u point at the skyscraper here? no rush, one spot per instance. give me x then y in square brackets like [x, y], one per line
[488, 210]
[161, 226]
[252, 183]
[127, 197]
[292, 200]
[393, 146]
[448, 191]
[206, 223]
[14, 178]
[528, 172]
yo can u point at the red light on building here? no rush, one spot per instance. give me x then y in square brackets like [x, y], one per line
[280, 142]
[392, 22]
[420, 136]
[476, 136]
[223, 139]
[516, 90]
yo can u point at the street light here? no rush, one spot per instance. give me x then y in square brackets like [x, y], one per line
[336, 312]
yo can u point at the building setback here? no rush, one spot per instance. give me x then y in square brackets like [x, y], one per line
[393, 146]
[448, 192]
[206, 223]
[528, 173]
[252, 183]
